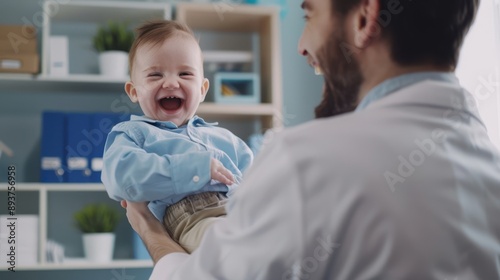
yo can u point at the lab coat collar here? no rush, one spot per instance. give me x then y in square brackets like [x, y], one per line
[392, 85]
[454, 99]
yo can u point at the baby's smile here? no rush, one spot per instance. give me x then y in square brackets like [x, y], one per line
[171, 103]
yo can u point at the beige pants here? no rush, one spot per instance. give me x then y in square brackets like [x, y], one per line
[187, 220]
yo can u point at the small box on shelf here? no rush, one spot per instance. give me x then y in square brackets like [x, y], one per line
[19, 63]
[18, 39]
[236, 88]
[18, 49]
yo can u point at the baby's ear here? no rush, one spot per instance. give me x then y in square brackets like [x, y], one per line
[205, 85]
[131, 91]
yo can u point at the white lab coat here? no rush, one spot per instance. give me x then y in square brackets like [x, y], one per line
[408, 188]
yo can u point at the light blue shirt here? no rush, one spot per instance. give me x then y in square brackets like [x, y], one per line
[394, 84]
[156, 161]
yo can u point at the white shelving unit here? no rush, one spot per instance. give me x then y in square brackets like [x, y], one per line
[241, 19]
[263, 21]
[94, 13]
[43, 191]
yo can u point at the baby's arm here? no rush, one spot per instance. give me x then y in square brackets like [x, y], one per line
[131, 173]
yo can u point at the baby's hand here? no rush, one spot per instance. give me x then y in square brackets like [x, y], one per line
[220, 173]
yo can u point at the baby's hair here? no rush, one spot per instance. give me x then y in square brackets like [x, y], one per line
[156, 32]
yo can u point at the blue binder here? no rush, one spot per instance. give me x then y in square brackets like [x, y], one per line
[79, 147]
[101, 125]
[53, 142]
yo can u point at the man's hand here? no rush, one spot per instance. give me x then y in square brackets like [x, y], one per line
[138, 214]
[151, 231]
[220, 173]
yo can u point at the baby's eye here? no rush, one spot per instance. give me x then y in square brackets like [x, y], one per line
[155, 74]
[186, 74]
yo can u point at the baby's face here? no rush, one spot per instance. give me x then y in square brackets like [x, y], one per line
[167, 79]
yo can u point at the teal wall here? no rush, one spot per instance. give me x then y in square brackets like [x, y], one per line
[301, 88]
[20, 110]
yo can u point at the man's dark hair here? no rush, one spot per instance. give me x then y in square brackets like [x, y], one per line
[422, 30]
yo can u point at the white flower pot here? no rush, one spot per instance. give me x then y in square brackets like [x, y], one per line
[99, 247]
[114, 64]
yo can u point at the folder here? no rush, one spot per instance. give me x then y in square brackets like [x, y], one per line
[101, 125]
[79, 147]
[53, 142]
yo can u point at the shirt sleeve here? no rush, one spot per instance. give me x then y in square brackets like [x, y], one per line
[244, 154]
[250, 242]
[131, 173]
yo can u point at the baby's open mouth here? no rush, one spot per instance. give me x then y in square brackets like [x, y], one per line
[171, 103]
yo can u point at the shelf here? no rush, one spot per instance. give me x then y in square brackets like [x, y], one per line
[77, 82]
[85, 78]
[262, 21]
[238, 110]
[79, 20]
[83, 264]
[16, 77]
[227, 56]
[59, 187]
[72, 78]
[103, 11]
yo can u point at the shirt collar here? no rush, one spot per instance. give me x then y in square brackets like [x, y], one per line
[394, 84]
[195, 120]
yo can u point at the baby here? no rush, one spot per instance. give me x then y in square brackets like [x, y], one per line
[183, 166]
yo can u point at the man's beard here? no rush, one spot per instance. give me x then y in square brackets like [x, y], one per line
[342, 76]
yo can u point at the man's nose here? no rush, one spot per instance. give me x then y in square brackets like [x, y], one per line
[301, 48]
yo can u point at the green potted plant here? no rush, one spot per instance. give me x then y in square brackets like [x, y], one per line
[97, 222]
[113, 41]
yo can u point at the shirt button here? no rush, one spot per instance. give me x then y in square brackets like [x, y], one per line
[196, 179]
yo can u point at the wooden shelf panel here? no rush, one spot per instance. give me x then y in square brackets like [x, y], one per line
[227, 56]
[238, 110]
[224, 16]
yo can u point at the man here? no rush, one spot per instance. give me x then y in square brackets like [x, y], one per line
[405, 187]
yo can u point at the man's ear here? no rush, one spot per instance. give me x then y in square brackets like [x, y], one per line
[205, 85]
[131, 91]
[366, 26]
